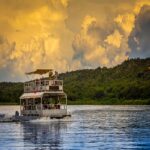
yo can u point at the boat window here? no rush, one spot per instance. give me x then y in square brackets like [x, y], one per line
[54, 88]
[42, 82]
[30, 101]
[37, 100]
[47, 82]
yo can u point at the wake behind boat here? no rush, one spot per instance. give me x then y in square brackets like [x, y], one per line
[42, 97]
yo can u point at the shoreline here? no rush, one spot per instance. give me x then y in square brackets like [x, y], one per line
[100, 102]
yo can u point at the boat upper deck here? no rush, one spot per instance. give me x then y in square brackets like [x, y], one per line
[43, 84]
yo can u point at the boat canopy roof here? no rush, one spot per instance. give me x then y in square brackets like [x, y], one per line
[41, 94]
[40, 71]
[31, 95]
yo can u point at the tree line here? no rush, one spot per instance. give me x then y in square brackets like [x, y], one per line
[129, 80]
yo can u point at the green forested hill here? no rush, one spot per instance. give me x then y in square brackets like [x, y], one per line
[130, 80]
[128, 83]
[10, 92]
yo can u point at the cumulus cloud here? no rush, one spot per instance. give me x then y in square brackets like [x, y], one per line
[114, 39]
[6, 49]
[108, 45]
[33, 35]
[139, 40]
[69, 34]
[92, 47]
[125, 22]
[86, 44]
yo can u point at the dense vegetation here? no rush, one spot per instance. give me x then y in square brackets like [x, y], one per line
[128, 83]
[10, 92]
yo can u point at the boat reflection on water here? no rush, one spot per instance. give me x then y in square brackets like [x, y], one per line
[44, 135]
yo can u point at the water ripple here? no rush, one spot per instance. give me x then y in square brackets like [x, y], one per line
[90, 127]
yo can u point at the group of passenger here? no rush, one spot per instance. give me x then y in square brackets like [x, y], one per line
[46, 104]
[51, 106]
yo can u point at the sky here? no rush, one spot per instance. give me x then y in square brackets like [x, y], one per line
[68, 35]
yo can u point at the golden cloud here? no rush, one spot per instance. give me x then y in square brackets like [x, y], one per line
[65, 35]
[114, 39]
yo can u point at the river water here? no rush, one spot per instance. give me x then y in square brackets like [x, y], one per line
[90, 127]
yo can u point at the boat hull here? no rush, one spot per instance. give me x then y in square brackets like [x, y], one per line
[32, 115]
[45, 113]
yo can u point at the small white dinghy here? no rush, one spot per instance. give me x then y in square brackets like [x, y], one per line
[7, 118]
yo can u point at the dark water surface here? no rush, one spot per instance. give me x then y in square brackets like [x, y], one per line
[90, 127]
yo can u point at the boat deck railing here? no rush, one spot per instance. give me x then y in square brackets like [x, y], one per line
[40, 85]
[43, 107]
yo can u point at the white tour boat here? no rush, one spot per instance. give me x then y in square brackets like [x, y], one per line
[42, 97]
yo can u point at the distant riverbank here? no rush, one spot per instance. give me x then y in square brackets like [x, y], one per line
[101, 102]
[110, 102]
